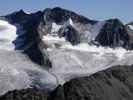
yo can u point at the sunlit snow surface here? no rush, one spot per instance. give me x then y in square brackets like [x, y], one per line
[7, 35]
[83, 60]
[131, 27]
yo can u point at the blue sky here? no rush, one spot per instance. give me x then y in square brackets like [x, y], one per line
[94, 9]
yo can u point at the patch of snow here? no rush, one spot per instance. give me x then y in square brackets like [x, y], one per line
[7, 35]
[53, 38]
[55, 27]
[87, 48]
[27, 12]
[71, 22]
[131, 27]
[51, 41]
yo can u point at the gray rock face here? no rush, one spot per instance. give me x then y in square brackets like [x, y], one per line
[28, 39]
[113, 34]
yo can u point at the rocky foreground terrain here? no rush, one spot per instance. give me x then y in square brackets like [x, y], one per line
[115, 83]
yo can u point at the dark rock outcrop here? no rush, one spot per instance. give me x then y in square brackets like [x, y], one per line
[70, 35]
[28, 39]
[113, 34]
[25, 94]
[59, 16]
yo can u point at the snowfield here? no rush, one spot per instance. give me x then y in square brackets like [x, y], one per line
[84, 60]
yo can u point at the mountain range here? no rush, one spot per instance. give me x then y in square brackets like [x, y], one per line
[110, 33]
[86, 59]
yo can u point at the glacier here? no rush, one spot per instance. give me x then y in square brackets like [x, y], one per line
[78, 61]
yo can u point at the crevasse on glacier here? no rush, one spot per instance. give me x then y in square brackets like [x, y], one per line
[68, 61]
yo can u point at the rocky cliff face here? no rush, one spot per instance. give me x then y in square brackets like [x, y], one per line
[28, 39]
[113, 34]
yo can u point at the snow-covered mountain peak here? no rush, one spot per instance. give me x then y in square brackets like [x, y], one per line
[64, 45]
